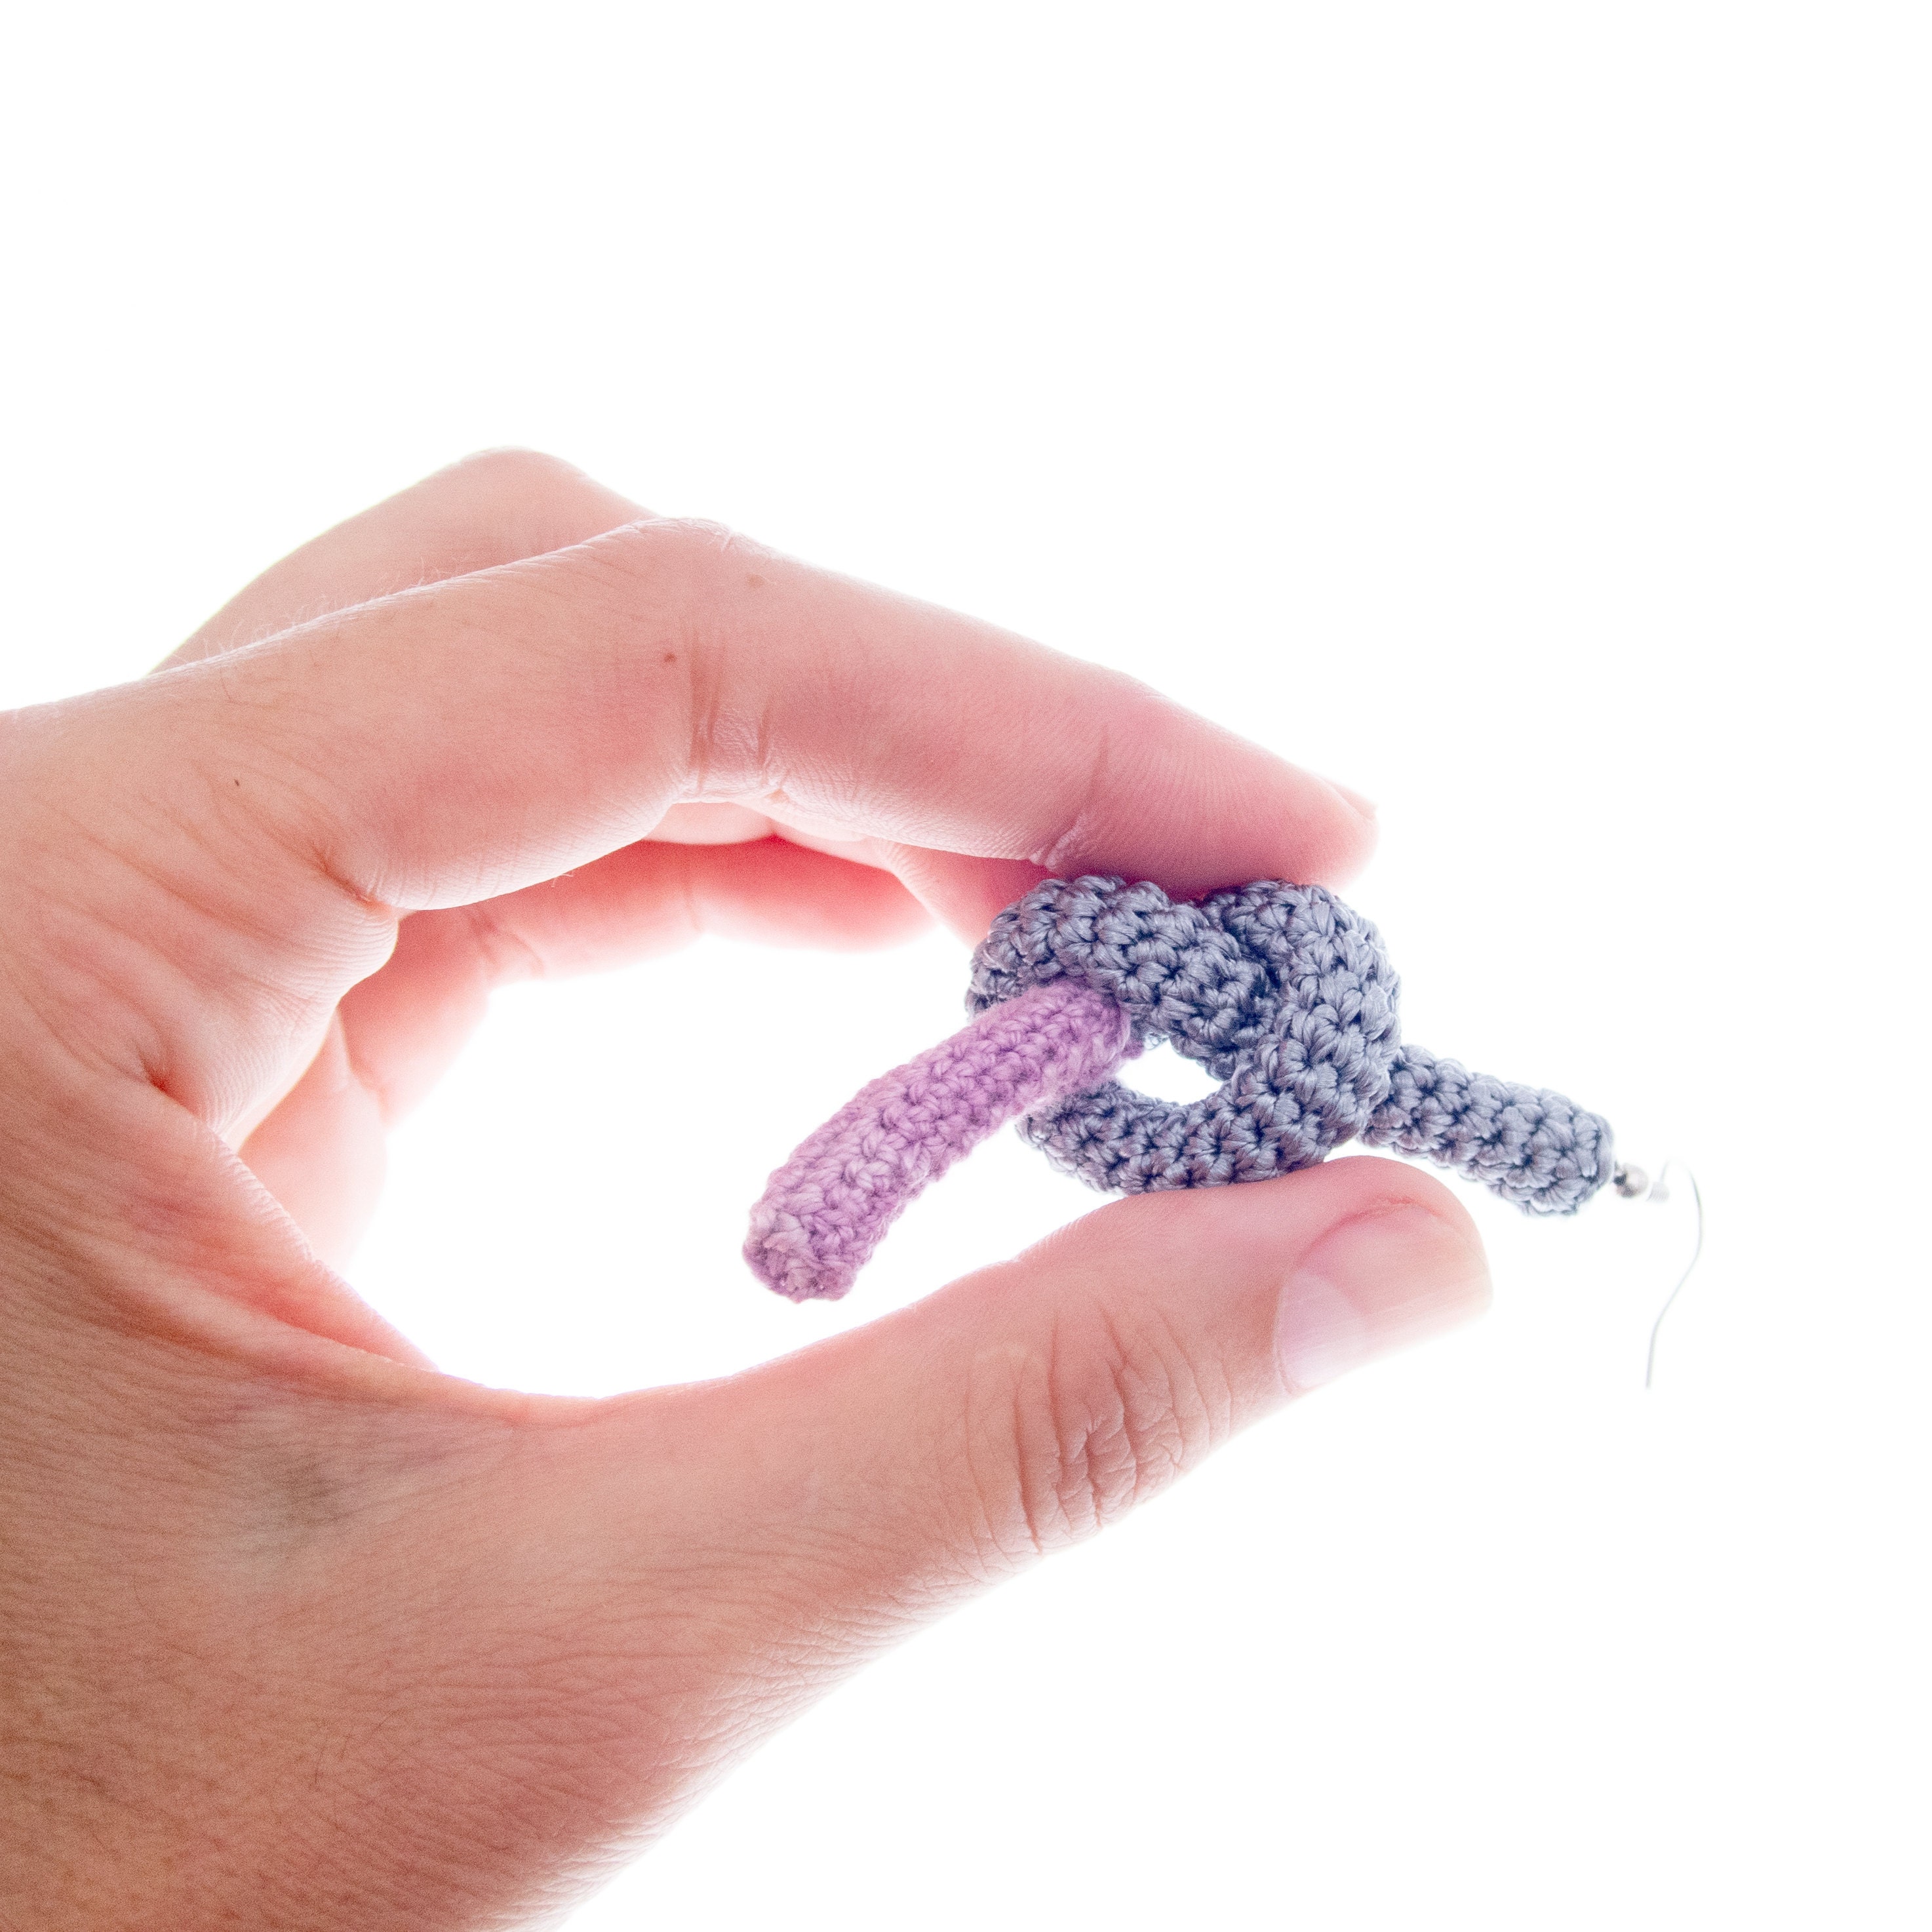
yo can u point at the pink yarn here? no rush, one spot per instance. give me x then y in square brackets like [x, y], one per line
[828, 1207]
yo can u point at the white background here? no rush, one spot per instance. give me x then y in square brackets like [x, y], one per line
[1518, 412]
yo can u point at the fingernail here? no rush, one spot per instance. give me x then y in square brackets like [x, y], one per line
[1373, 1285]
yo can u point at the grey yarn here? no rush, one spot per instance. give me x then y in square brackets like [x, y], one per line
[1286, 996]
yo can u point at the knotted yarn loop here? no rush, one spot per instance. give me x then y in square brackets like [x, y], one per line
[1282, 992]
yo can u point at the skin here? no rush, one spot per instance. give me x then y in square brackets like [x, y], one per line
[295, 1631]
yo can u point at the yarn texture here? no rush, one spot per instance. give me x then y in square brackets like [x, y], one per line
[1282, 992]
[830, 1205]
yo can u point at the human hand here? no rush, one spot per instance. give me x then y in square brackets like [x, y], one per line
[294, 1631]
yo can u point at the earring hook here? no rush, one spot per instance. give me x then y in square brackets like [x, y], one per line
[1634, 1185]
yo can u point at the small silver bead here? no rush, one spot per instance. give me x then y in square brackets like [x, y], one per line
[1632, 1182]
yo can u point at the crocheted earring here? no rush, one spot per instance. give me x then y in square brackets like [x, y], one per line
[1281, 991]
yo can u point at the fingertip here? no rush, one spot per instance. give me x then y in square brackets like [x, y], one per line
[1357, 833]
[1325, 1270]
[1365, 806]
[1388, 1257]
[1258, 1225]
[1196, 807]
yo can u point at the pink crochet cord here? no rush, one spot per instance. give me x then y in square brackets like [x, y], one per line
[829, 1206]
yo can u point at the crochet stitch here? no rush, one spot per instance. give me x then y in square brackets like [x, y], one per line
[1281, 991]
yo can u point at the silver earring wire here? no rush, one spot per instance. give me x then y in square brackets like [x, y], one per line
[1659, 1191]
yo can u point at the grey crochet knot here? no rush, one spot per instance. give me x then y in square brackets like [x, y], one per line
[1286, 996]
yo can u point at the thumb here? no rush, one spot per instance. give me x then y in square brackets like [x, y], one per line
[807, 1513]
[1027, 1405]
[664, 1578]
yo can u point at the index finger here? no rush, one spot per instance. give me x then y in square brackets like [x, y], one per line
[477, 736]
[277, 807]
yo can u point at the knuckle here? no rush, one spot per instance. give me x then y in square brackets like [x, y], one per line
[701, 576]
[1125, 724]
[667, 551]
[520, 502]
[697, 541]
[516, 471]
[706, 533]
[1106, 1413]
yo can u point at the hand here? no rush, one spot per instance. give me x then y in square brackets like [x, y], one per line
[295, 1631]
